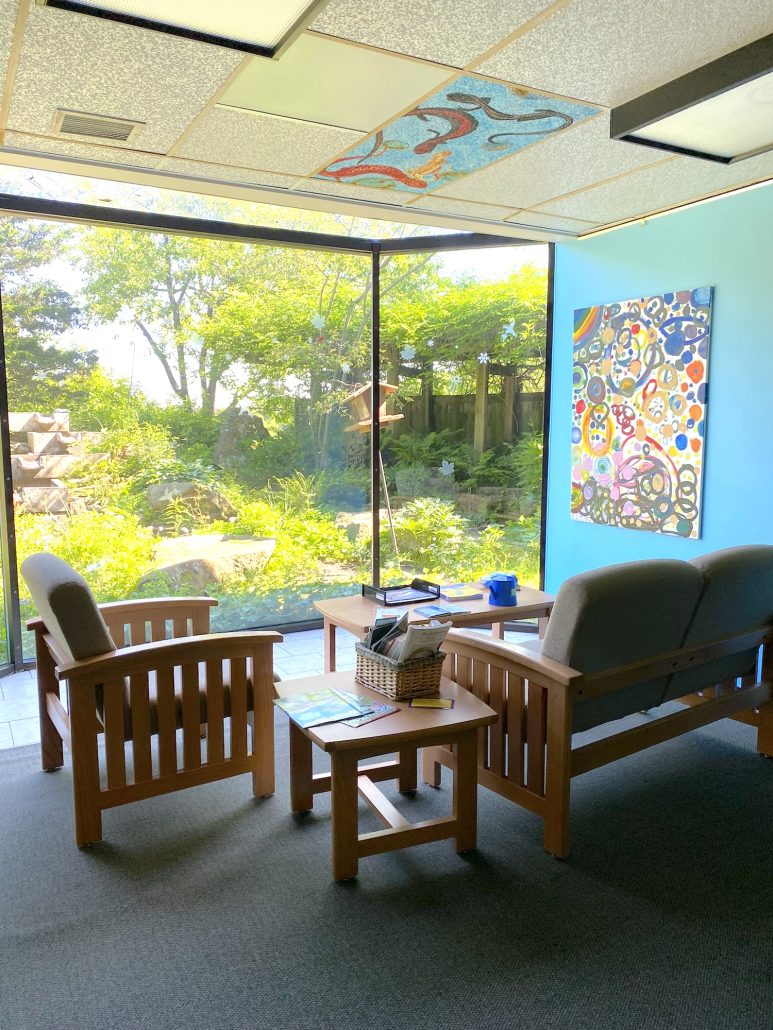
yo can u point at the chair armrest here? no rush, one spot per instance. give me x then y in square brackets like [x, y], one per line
[166, 653]
[521, 661]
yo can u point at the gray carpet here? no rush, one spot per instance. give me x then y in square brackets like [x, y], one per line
[206, 909]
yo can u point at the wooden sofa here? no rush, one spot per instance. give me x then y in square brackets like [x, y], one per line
[620, 641]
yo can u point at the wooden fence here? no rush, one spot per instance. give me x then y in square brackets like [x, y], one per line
[503, 421]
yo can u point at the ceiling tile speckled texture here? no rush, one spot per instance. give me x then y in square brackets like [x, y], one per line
[226, 173]
[8, 11]
[251, 140]
[568, 161]
[448, 33]
[442, 205]
[81, 63]
[607, 53]
[542, 220]
[80, 151]
[671, 182]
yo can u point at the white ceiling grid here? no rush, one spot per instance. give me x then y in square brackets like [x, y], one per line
[264, 141]
[607, 53]
[245, 126]
[101, 67]
[444, 32]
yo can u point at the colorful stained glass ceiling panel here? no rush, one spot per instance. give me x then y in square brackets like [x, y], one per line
[462, 128]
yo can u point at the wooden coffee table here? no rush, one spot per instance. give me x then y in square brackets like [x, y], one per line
[401, 733]
[357, 614]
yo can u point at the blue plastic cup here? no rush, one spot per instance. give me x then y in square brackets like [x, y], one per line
[502, 589]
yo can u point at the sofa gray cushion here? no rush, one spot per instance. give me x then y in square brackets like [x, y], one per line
[737, 595]
[67, 607]
[618, 615]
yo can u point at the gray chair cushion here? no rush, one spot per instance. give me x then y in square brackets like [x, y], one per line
[737, 595]
[619, 615]
[67, 607]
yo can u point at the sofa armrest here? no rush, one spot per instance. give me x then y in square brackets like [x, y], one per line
[519, 660]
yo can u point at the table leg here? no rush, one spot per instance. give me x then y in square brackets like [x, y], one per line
[301, 792]
[430, 769]
[329, 643]
[343, 772]
[465, 804]
[408, 777]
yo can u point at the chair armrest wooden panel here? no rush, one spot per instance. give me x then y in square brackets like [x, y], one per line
[515, 659]
[172, 606]
[166, 653]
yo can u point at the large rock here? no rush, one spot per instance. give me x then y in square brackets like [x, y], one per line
[236, 429]
[198, 562]
[200, 496]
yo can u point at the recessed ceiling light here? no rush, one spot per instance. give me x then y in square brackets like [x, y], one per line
[721, 112]
[262, 27]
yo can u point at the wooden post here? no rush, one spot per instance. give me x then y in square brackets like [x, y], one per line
[508, 404]
[425, 399]
[481, 408]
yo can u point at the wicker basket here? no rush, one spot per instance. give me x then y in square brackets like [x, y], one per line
[418, 677]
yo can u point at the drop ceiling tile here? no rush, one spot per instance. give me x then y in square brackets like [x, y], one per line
[81, 151]
[82, 63]
[466, 125]
[607, 53]
[253, 140]
[448, 33]
[335, 189]
[677, 180]
[226, 173]
[542, 220]
[8, 12]
[463, 208]
[580, 156]
[324, 80]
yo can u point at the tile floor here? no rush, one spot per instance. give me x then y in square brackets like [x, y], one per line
[300, 654]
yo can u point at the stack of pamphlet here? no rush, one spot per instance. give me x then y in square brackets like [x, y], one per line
[318, 707]
[401, 642]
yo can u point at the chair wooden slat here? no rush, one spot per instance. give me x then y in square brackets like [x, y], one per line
[497, 731]
[535, 738]
[215, 727]
[479, 688]
[167, 722]
[138, 629]
[113, 694]
[180, 627]
[515, 734]
[191, 716]
[139, 704]
[158, 629]
[238, 707]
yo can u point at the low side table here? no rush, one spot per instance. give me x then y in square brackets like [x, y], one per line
[401, 732]
[356, 614]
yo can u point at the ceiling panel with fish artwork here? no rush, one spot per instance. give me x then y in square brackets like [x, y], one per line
[460, 129]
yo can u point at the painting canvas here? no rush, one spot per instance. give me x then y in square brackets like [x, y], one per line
[640, 383]
[462, 128]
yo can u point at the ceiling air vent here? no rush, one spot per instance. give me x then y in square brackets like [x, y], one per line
[97, 126]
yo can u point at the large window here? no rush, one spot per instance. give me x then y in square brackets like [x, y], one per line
[463, 357]
[189, 415]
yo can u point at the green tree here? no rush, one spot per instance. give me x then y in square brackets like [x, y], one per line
[36, 310]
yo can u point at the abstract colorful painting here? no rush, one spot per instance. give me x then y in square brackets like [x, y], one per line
[639, 412]
[462, 128]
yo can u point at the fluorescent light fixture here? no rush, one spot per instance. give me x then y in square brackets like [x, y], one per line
[722, 112]
[262, 27]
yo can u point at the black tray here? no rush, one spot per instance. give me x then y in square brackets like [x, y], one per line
[410, 593]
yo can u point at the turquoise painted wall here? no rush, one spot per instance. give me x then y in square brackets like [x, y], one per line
[727, 244]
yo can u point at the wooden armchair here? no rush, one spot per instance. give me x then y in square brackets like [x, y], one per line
[137, 672]
[620, 640]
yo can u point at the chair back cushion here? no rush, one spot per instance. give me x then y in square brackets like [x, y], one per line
[737, 596]
[616, 616]
[67, 607]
